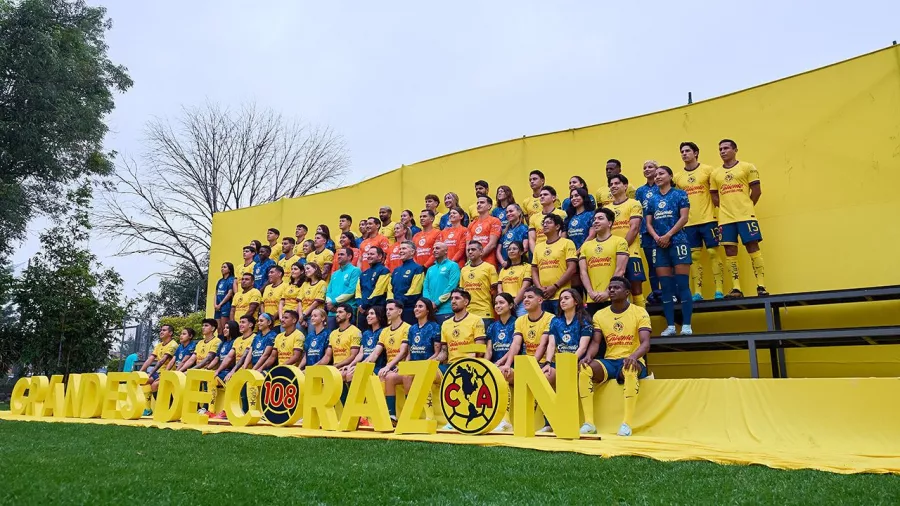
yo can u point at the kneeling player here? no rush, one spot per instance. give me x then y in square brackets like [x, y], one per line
[625, 328]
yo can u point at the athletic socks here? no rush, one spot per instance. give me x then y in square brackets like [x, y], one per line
[344, 391]
[759, 267]
[716, 262]
[683, 286]
[667, 283]
[631, 393]
[586, 393]
[654, 280]
[392, 404]
[731, 265]
[639, 300]
[696, 272]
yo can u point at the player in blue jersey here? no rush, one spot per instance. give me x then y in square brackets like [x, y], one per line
[262, 352]
[317, 350]
[516, 230]
[424, 341]
[579, 216]
[642, 195]
[184, 354]
[666, 216]
[223, 363]
[500, 333]
[574, 183]
[369, 351]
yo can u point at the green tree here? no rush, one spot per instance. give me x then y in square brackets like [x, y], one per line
[56, 86]
[67, 305]
[193, 320]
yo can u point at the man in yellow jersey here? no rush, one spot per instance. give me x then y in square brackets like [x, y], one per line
[604, 195]
[247, 299]
[321, 255]
[701, 228]
[626, 330]
[387, 226]
[272, 295]
[344, 342]
[300, 233]
[289, 254]
[627, 225]
[554, 263]
[535, 221]
[532, 205]
[395, 348]
[289, 343]
[163, 354]
[531, 335]
[734, 188]
[478, 278]
[205, 352]
[432, 203]
[462, 330]
[275, 245]
[246, 266]
[604, 256]
[241, 348]
[481, 190]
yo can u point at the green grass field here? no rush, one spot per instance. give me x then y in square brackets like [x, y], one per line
[55, 463]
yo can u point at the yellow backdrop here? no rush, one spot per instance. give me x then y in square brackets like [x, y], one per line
[827, 145]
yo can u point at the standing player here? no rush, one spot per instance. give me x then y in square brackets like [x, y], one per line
[516, 230]
[312, 293]
[275, 246]
[290, 297]
[289, 344]
[579, 217]
[455, 236]
[574, 183]
[702, 227]
[478, 278]
[667, 214]
[273, 295]
[394, 345]
[629, 214]
[535, 222]
[643, 194]
[481, 190]
[604, 195]
[289, 255]
[224, 294]
[554, 263]
[321, 255]
[486, 230]
[372, 240]
[425, 239]
[300, 234]
[451, 201]
[532, 205]
[386, 225]
[432, 203]
[515, 277]
[409, 221]
[407, 281]
[342, 286]
[735, 190]
[394, 258]
[625, 328]
[441, 279]
[261, 269]
[247, 300]
[249, 253]
[504, 199]
[604, 256]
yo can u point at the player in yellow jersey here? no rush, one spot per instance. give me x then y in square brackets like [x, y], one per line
[205, 353]
[702, 227]
[629, 214]
[531, 333]
[532, 205]
[275, 245]
[395, 347]
[432, 203]
[247, 299]
[245, 267]
[289, 343]
[604, 256]
[163, 354]
[478, 278]
[604, 196]
[344, 342]
[321, 256]
[273, 294]
[554, 263]
[481, 190]
[625, 328]
[289, 255]
[387, 226]
[735, 190]
[290, 297]
[462, 330]
[515, 277]
[548, 203]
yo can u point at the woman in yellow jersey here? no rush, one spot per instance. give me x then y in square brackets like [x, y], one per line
[516, 276]
[312, 293]
[290, 299]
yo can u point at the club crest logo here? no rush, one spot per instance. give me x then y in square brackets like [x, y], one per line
[471, 275]
[729, 177]
[478, 229]
[455, 332]
[574, 222]
[547, 252]
[474, 396]
[417, 339]
[662, 204]
[691, 180]
[618, 327]
[422, 242]
[599, 248]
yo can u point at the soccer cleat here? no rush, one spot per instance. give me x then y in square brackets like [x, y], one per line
[761, 291]
[503, 427]
[698, 297]
[686, 330]
[624, 430]
[735, 294]
[545, 429]
[654, 298]
[364, 422]
[587, 429]
[669, 332]
[148, 412]
[719, 295]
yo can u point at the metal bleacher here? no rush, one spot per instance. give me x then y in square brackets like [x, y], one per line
[774, 337]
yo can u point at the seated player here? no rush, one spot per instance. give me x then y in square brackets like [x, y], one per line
[344, 342]
[224, 362]
[499, 342]
[205, 352]
[163, 353]
[531, 332]
[240, 353]
[289, 343]
[369, 349]
[424, 342]
[625, 328]
[394, 345]
[317, 350]
[604, 256]
[247, 299]
[735, 190]
[462, 330]
[184, 354]
[262, 350]
[571, 332]
[554, 263]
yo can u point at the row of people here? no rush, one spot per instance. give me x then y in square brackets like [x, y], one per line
[611, 345]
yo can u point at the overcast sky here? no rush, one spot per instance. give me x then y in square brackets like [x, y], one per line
[407, 81]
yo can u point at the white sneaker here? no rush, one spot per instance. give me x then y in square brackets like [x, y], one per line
[201, 411]
[503, 427]
[686, 330]
[587, 429]
[669, 332]
[624, 430]
[545, 429]
[448, 427]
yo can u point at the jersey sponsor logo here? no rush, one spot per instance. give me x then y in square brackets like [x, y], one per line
[472, 398]
[281, 395]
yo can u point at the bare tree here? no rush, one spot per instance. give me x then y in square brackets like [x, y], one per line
[211, 160]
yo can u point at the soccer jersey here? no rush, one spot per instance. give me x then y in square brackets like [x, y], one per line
[643, 195]
[316, 343]
[379, 241]
[242, 301]
[183, 352]
[481, 230]
[260, 343]
[696, 184]
[388, 232]
[421, 339]
[536, 223]
[342, 343]
[666, 211]
[393, 260]
[222, 288]
[261, 273]
[325, 257]
[271, 299]
[567, 335]
[578, 227]
[605, 198]
[287, 262]
[204, 348]
[245, 269]
[391, 339]
[533, 331]
[277, 249]
[455, 238]
[424, 242]
[500, 214]
[551, 260]
[368, 343]
[310, 293]
[622, 330]
[625, 212]
[600, 257]
[531, 205]
[733, 185]
[501, 336]
[285, 344]
[224, 349]
[567, 202]
[478, 280]
[445, 221]
[513, 277]
[519, 233]
[461, 333]
[291, 296]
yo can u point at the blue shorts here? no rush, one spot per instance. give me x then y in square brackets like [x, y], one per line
[647, 241]
[223, 312]
[222, 375]
[154, 376]
[634, 271]
[707, 233]
[443, 368]
[613, 368]
[675, 254]
[550, 306]
[748, 230]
